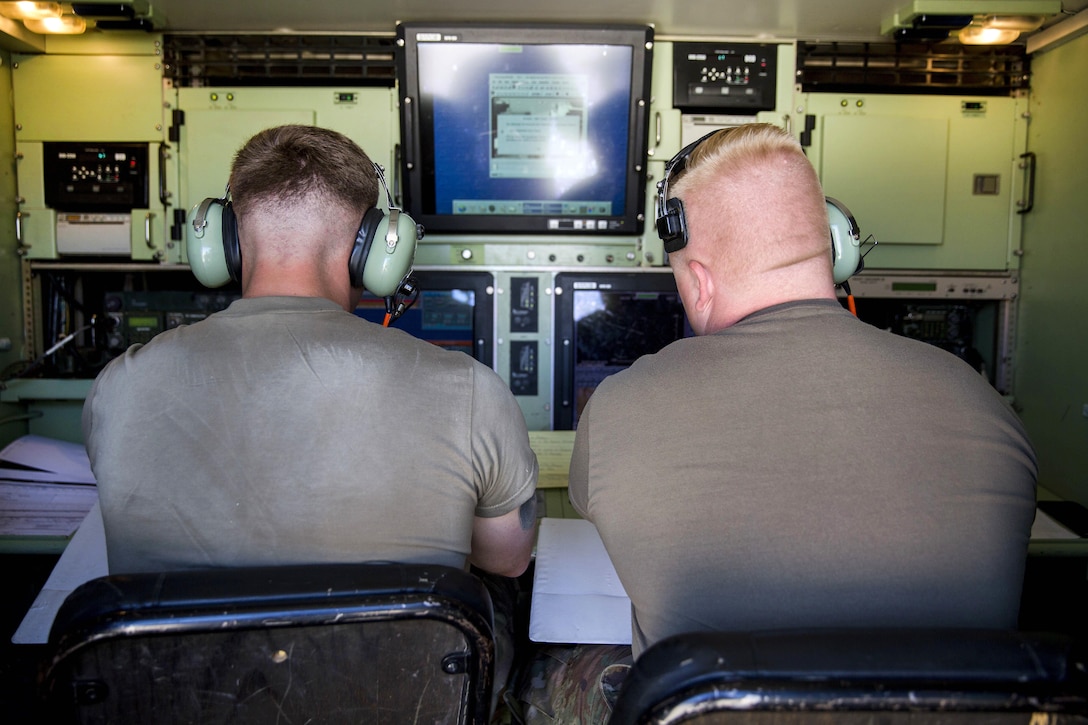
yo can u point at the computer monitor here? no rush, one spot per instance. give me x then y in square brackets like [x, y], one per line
[604, 322]
[455, 310]
[524, 129]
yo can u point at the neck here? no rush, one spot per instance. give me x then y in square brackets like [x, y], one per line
[743, 297]
[300, 281]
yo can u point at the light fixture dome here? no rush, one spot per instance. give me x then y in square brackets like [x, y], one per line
[983, 35]
[60, 25]
[29, 10]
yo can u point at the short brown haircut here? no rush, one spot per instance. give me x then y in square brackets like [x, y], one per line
[287, 164]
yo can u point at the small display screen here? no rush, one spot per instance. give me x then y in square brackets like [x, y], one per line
[604, 323]
[144, 321]
[914, 286]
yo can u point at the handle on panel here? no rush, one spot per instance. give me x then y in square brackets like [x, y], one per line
[164, 194]
[21, 247]
[1027, 204]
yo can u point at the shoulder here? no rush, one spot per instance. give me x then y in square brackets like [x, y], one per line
[486, 383]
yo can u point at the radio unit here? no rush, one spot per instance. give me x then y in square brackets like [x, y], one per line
[136, 317]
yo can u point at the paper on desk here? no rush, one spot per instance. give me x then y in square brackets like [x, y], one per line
[50, 455]
[31, 476]
[577, 596]
[43, 509]
[83, 559]
[50, 492]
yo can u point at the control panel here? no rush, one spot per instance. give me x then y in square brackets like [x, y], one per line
[737, 77]
[96, 177]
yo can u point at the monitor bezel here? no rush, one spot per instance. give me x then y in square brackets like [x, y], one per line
[642, 280]
[630, 221]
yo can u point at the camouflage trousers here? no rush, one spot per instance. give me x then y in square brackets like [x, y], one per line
[571, 684]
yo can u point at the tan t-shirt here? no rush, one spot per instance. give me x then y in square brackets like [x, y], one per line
[804, 469]
[286, 430]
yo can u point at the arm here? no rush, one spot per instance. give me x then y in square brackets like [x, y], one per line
[503, 544]
[505, 471]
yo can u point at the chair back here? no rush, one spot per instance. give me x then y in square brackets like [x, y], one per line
[326, 643]
[856, 676]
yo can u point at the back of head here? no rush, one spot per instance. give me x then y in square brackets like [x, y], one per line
[755, 208]
[293, 178]
[286, 164]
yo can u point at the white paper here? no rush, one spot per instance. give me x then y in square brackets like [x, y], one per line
[577, 596]
[50, 455]
[28, 475]
[43, 509]
[83, 559]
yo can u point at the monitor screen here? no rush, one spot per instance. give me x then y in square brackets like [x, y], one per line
[604, 322]
[524, 129]
[454, 310]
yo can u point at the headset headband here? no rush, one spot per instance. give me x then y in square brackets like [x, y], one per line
[669, 215]
[672, 227]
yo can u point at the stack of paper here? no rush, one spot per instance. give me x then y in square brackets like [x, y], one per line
[577, 597]
[46, 487]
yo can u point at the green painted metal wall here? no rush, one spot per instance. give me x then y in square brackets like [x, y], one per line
[11, 297]
[1052, 377]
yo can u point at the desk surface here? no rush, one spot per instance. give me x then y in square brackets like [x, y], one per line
[83, 559]
[553, 450]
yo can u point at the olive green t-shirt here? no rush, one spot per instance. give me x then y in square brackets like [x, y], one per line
[804, 469]
[286, 430]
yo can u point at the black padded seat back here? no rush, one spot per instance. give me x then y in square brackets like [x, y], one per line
[326, 643]
[856, 676]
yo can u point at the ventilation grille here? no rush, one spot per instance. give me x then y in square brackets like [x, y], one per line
[912, 68]
[193, 61]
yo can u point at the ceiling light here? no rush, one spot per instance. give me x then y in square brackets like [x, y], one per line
[29, 10]
[999, 29]
[983, 35]
[63, 25]
[925, 19]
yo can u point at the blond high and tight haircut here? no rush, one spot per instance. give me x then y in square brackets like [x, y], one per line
[753, 202]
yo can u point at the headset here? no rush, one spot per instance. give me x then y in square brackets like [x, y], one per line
[381, 258]
[672, 226]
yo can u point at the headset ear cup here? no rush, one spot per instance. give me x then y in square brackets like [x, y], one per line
[672, 228]
[387, 264]
[232, 248]
[845, 242]
[205, 245]
[364, 239]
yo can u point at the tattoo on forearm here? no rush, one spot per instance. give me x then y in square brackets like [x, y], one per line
[527, 513]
